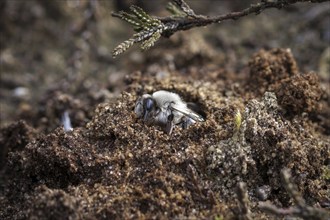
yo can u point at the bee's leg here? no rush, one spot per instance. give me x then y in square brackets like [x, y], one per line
[139, 111]
[169, 124]
[186, 122]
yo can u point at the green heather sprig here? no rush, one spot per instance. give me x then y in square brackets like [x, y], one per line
[150, 29]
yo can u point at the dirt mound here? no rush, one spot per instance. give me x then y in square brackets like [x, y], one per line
[300, 93]
[268, 68]
[118, 167]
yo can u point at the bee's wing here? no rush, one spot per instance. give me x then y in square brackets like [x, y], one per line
[187, 112]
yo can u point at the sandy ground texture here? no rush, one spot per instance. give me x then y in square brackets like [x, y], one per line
[266, 111]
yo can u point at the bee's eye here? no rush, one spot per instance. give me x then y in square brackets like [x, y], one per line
[149, 104]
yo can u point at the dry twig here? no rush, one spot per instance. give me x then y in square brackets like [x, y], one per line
[301, 209]
[150, 29]
[244, 202]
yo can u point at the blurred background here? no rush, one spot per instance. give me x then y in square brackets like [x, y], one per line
[56, 56]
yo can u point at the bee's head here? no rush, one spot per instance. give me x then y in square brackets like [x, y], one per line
[149, 105]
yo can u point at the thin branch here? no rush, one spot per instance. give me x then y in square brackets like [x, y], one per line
[185, 18]
[301, 209]
[186, 23]
[244, 202]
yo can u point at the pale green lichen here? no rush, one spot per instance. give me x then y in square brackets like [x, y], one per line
[326, 173]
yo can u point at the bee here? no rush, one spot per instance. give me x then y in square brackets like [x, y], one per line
[167, 109]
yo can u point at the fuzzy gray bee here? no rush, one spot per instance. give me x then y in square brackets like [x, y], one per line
[167, 109]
